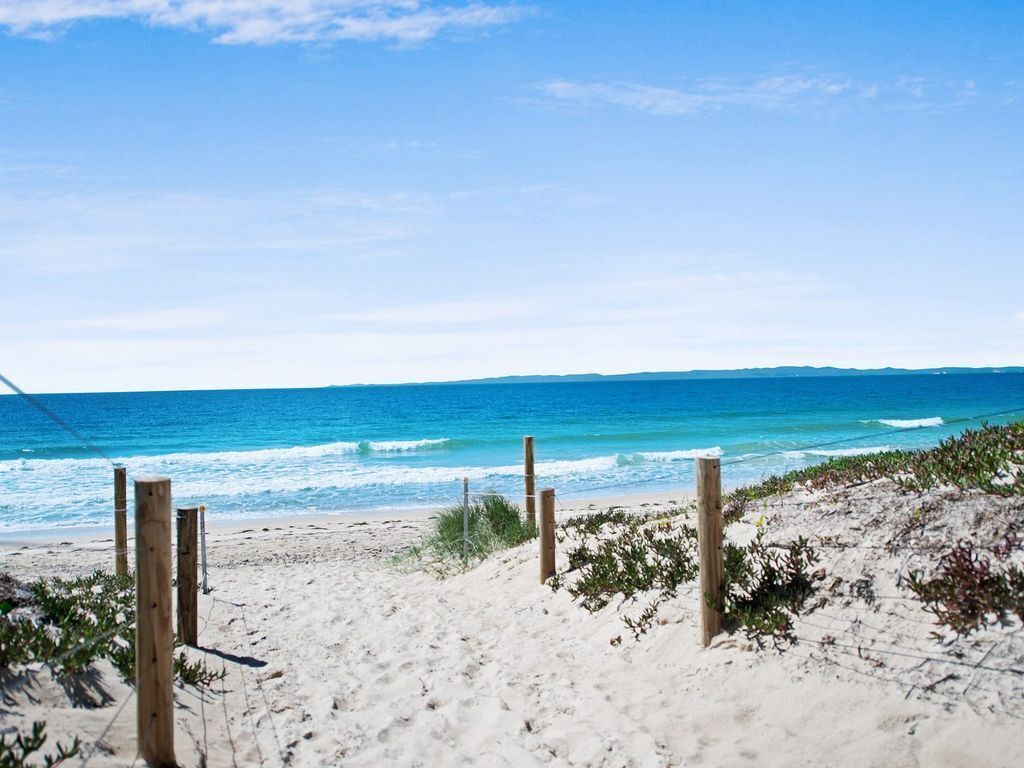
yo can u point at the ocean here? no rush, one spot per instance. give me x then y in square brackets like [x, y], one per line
[266, 453]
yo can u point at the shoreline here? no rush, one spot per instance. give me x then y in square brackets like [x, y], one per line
[104, 534]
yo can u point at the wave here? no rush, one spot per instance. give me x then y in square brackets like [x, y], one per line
[256, 456]
[401, 446]
[625, 459]
[865, 451]
[931, 421]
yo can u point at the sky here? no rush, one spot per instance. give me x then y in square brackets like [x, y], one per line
[200, 194]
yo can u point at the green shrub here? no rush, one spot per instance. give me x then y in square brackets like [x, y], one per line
[83, 620]
[621, 556]
[639, 557]
[765, 586]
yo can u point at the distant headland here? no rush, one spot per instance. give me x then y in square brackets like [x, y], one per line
[780, 372]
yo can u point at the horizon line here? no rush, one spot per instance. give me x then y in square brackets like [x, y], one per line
[695, 374]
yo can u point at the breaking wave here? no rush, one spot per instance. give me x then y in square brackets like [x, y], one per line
[931, 421]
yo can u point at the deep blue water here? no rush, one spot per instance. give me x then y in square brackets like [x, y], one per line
[257, 453]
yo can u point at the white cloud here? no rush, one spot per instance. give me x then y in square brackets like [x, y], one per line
[766, 93]
[483, 311]
[95, 233]
[177, 319]
[265, 22]
[789, 91]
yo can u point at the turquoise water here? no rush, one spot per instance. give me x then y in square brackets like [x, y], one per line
[260, 453]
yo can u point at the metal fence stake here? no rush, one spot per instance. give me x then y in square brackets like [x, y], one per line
[465, 520]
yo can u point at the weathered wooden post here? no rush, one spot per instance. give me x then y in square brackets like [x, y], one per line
[120, 521]
[202, 548]
[188, 609]
[547, 534]
[530, 480]
[153, 639]
[709, 543]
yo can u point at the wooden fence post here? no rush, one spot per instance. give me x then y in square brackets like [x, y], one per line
[709, 542]
[531, 482]
[188, 609]
[153, 640]
[205, 586]
[547, 534]
[120, 521]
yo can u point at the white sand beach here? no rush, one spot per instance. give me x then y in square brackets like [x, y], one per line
[335, 656]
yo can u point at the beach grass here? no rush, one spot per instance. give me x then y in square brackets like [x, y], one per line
[493, 523]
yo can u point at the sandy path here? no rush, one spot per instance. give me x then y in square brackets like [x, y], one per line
[336, 657]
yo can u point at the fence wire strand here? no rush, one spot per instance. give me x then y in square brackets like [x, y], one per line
[60, 422]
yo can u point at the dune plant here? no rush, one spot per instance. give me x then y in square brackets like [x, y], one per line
[495, 523]
[22, 746]
[765, 586]
[629, 558]
[76, 621]
[988, 459]
[973, 588]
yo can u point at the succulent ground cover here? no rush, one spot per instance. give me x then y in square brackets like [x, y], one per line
[613, 556]
[973, 587]
[989, 459]
[66, 625]
[616, 556]
[23, 747]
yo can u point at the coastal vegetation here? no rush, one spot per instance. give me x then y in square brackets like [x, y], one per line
[493, 523]
[974, 587]
[23, 746]
[645, 559]
[986, 459]
[613, 555]
[66, 625]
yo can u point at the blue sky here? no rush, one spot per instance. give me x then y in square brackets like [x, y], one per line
[262, 193]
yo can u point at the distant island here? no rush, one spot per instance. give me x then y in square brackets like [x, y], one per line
[780, 372]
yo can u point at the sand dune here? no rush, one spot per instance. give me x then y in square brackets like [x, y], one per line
[336, 657]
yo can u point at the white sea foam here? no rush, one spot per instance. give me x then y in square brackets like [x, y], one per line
[85, 482]
[931, 421]
[257, 456]
[665, 456]
[401, 446]
[865, 451]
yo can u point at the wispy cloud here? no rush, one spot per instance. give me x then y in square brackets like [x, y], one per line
[149, 321]
[765, 93]
[266, 22]
[90, 233]
[776, 92]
